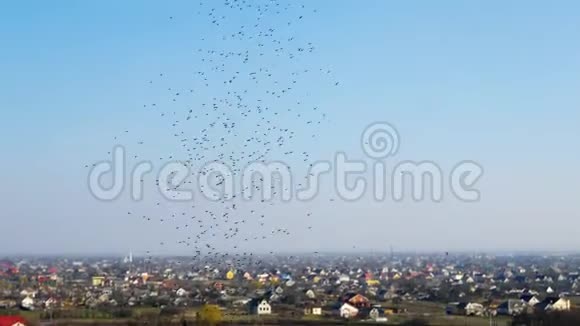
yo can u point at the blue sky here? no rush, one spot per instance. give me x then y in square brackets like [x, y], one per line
[495, 82]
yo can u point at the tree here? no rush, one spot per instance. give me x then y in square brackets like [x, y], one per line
[290, 299]
[209, 315]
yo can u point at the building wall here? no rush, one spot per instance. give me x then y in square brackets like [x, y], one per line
[264, 309]
[562, 304]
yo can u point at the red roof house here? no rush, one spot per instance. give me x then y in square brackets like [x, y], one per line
[12, 321]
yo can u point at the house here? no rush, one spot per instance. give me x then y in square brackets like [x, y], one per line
[377, 314]
[373, 282]
[553, 304]
[357, 300]
[279, 290]
[348, 311]
[98, 281]
[465, 308]
[260, 307]
[275, 298]
[27, 303]
[511, 307]
[241, 302]
[181, 292]
[12, 321]
[313, 311]
[530, 299]
[453, 309]
[474, 309]
[310, 294]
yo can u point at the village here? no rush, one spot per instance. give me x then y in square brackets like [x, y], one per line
[391, 289]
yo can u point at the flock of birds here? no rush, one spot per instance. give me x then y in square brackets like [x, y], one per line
[248, 101]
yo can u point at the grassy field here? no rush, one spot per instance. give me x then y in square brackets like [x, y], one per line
[432, 313]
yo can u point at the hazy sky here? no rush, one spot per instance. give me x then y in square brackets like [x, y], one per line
[495, 82]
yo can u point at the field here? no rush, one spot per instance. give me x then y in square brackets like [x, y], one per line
[430, 312]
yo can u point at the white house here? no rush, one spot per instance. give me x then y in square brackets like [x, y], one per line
[27, 303]
[347, 311]
[554, 304]
[378, 315]
[315, 311]
[50, 303]
[511, 307]
[465, 308]
[310, 294]
[530, 299]
[260, 307]
[474, 309]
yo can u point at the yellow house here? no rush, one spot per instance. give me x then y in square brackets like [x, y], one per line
[373, 282]
[145, 277]
[98, 280]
